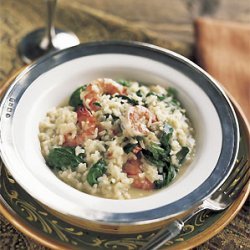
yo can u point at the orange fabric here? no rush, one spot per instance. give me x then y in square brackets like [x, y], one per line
[223, 50]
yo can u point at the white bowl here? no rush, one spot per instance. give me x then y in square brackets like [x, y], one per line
[50, 80]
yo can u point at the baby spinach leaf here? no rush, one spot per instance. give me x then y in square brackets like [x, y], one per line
[97, 104]
[159, 97]
[172, 92]
[129, 147]
[124, 83]
[174, 102]
[149, 94]
[60, 158]
[166, 135]
[167, 178]
[159, 155]
[138, 93]
[139, 138]
[157, 151]
[96, 171]
[114, 117]
[75, 99]
[181, 155]
[149, 156]
[129, 100]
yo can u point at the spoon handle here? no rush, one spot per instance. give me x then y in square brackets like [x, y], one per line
[47, 41]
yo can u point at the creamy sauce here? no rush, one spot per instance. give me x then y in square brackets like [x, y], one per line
[136, 193]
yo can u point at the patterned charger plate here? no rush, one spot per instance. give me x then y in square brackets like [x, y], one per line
[30, 217]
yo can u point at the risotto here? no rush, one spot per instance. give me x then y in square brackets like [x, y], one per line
[117, 139]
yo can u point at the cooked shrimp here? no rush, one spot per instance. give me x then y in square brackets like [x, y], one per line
[133, 168]
[137, 120]
[87, 128]
[97, 88]
[142, 183]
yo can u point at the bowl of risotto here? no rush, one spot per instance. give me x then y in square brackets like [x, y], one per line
[117, 136]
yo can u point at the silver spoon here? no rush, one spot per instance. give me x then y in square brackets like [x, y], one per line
[41, 41]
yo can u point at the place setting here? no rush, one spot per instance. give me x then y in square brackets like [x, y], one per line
[128, 145]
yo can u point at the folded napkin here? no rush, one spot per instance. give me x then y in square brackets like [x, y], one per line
[223, 50]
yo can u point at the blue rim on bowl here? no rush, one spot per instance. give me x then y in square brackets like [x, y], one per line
[228, 123]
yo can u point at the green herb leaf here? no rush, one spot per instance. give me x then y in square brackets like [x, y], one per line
[167, 178]
[75, 99]
[159, 155]
[138, 93]
[181, 155]
[157, 151]
[129, 100]
[60, 158]
[124, 83]
[114, 117]
[172, 92]
[129, 147]
[159, 97]
[139, 138]
[174, 102]
[97, 104]
[149, 156]
[166, 135]
[96, 171]
[150, 93]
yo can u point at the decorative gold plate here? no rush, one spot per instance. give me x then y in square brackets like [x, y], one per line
[34, 220]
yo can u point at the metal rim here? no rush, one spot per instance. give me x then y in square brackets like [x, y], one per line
[230, 128]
